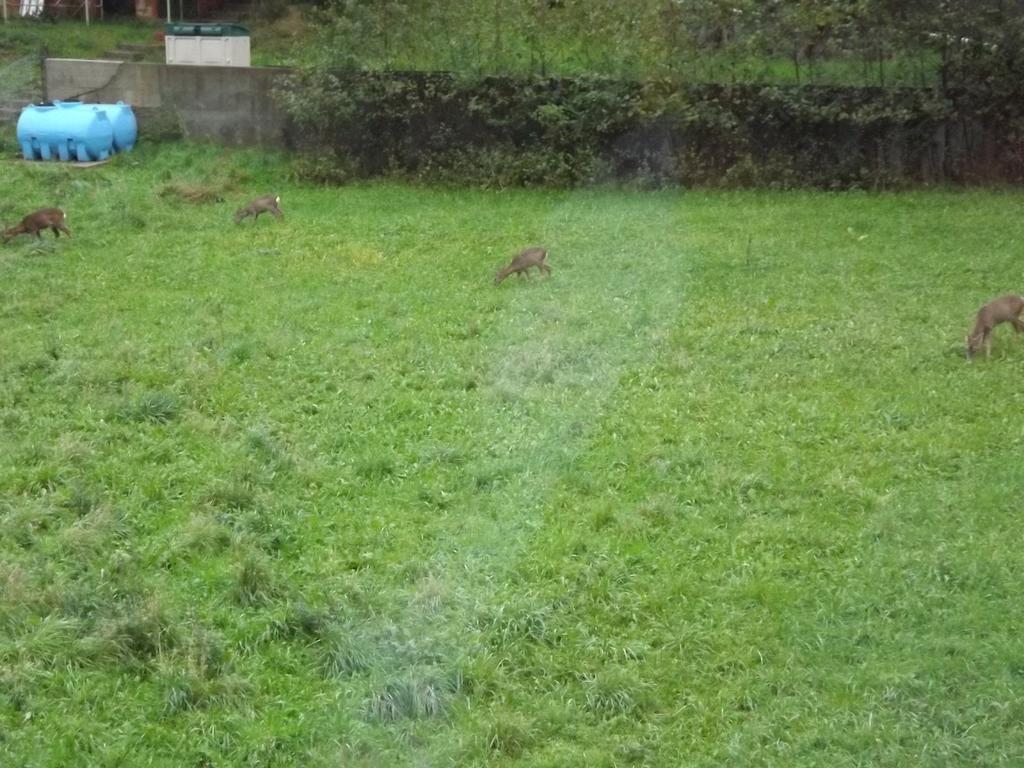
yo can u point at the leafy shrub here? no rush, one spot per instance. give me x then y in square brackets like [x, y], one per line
[500, 132]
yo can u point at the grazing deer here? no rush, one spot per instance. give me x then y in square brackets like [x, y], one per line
[35, 223]
[531, 257]
[265, 204]
[1005, 309]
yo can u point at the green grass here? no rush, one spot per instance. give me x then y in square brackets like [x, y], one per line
[284, 41]
[721, 491]
[448, 37]
[69, 39]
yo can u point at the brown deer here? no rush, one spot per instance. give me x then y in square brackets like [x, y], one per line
[531, 257]
[36, 222]
[1005, 309]
[265, 204]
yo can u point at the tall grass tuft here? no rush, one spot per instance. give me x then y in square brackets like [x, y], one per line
[509, 735]
[233, 495]
[612, 693]
[414, 697]
[344, 655]
[184, 690]
[155, 407]
[139, 633]
[254, 582]
[80, 500]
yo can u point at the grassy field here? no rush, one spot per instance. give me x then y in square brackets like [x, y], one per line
[442, 38]
[69, 39]
[283, 41]
[314, 492]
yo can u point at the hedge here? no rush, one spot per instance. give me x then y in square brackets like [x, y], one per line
[570, 131]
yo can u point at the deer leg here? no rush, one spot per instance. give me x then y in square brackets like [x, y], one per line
[65, 230]
[988, 344]
[277, 212]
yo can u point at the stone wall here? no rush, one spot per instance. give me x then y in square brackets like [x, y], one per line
[226, 105]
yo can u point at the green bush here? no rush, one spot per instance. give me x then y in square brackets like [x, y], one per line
[500, 132]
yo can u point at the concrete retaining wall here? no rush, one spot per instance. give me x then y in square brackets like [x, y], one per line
[226, 105]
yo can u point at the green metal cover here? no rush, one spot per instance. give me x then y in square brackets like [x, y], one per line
[186, 29]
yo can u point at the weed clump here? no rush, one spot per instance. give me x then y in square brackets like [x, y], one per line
[376, 468]
[153, 407]
[414, 698]
[80, 500]
[509, 735]
[254, 583]
[197, 194]
[235, 496]
[204, 534]
[297, 620]
[612, 694]
[186, 691]
[344, 657]
[138, 635]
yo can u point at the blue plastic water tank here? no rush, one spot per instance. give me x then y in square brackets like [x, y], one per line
[71, 130]
[126, 128]
[122, 120]
[36, 135]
